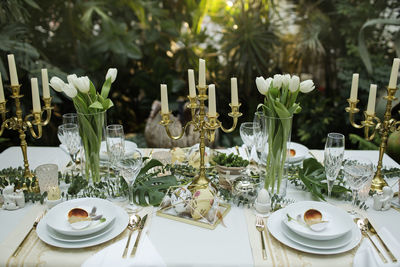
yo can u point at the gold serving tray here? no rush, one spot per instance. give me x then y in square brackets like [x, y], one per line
[227, 208]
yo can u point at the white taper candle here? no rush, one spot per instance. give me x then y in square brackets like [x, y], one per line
[371, 100]
[202, 73]
[164, 99]
[45, 84]
[13, 70]
[35, 95]
[354, 87]
[2, 99]
[395, 72]
[234, 92]
[192, 86]
[212, 110]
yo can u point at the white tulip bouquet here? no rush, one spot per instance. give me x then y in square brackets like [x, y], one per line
[278, 108]
[91, 107]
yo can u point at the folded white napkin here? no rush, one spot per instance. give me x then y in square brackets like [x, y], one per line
[367, 256]
[146, 254]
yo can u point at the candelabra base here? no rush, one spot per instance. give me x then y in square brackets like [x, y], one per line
[199, 182]
[378, 183]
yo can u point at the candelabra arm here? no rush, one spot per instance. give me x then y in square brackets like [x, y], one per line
[352, 109]
[36, 122]
[48, 109]
[166, 122]
[235, 114]
[371, 122]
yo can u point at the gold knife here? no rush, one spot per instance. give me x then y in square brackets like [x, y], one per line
[373, 230]
[135, 246]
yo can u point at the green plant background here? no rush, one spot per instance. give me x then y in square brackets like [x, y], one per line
[153, 42]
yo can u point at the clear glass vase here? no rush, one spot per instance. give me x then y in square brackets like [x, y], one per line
[92, 131]
[275, 141]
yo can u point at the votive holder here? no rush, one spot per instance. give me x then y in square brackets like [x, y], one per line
[47, 176]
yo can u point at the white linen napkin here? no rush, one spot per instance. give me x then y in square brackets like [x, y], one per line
[367, 256]
[146, 254]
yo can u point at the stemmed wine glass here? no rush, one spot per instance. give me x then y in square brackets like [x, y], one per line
[116, 150]
[357, 173]
[260, 139]
[248, 133]
[129, 167]
[68, 134]
[333, 158]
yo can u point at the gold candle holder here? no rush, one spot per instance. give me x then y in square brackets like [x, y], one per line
[32, 122]
[373, 125]
[203, 123]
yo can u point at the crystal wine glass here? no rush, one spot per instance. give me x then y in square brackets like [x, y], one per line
[116, 150]
[248, 132]
[129, 167]
[357, 173]
[333, 158]
[68, 134]
[70, 118]
[260, 139]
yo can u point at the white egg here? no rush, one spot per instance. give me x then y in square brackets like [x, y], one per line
[263, 197]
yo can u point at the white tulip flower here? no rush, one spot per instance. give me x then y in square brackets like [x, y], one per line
[278, 79]
[71, 78]
[268, 81]
[57, 84]
[306, 86]
[70, 90]
[82, 84]
[286, 79]
[261, 85]
[294, 83]
[112, 73]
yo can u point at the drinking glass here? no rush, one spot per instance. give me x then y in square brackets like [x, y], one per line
[129, 167]
[70, 118]
[333, 158]
[68, 134]
[115, 142]
[248, 132]
[260, 139]
[357, 173]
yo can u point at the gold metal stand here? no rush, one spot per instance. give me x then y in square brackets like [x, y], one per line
[20, 124]
[372, 125]
[206, 125]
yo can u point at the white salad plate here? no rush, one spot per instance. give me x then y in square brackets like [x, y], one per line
[276, 228]
[319, 244]
[339, 222]
[57, 217]
[67, 238]
[129, 149]
[120, 223]
[301, 152]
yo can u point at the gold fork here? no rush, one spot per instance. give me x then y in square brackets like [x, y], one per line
[260, 226]
[18, 249]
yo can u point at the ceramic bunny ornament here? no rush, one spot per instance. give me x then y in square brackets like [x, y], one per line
[382, 200]
[13, 200]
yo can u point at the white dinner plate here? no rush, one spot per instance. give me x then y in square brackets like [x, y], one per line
[301, 152]
[58, 216]
[274, 225]
[120, 223]
[68, 238]
[339, 221]
[129, 149]
[320, 244]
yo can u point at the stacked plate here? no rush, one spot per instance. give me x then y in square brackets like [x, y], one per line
[55, 229]
[300, 153]
[337, 233]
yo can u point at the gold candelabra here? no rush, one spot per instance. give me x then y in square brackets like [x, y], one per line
[372, 125]
[32, 122]
[205, 124]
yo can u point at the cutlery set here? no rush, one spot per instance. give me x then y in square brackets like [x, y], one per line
[367, 228]
[260, 226]
[135, 223]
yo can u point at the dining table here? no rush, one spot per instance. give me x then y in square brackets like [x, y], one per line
[178, 244]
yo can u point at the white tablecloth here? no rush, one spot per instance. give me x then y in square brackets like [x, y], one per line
[182, 244]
